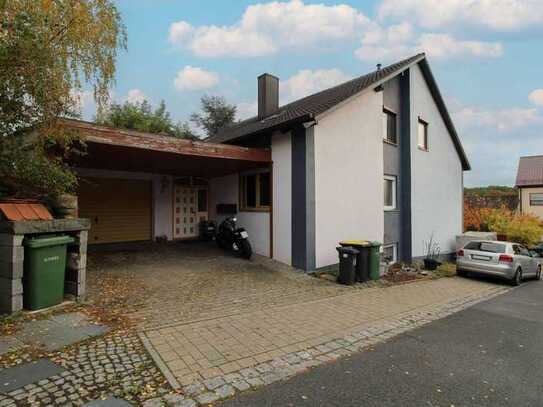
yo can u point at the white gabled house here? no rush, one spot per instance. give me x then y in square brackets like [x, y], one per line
[375, 158]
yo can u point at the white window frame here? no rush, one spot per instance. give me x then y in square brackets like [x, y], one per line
[386, 113]
[534, 200]
[423, 144]
[394, 247]
[394, 188]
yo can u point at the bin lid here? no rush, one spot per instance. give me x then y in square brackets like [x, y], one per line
[347, 249]
[355, 243]
[46, 241]
[376, 244]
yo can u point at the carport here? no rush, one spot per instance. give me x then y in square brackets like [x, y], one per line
[137, 186]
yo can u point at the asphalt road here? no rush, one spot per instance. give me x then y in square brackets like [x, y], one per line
[488, 355]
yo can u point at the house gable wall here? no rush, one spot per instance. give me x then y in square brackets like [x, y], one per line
[525, 200]
[348, 149]
[436, 174]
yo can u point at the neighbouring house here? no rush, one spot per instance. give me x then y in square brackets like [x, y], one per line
[530, 185]
[375, 158]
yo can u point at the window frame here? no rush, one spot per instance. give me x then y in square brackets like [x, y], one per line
[425, 146]
[536, 200]
[394, 205]
[243, 192]
[386, 114]
[394, 247]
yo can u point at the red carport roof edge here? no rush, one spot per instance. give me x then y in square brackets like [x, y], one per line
[94, 133]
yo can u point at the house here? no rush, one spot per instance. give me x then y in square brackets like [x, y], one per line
[375, 158]
[530, 185]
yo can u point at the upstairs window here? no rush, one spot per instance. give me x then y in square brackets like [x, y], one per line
[536, 199]
[390, 193]
[255, 191]
[389, 127]
[423, 135]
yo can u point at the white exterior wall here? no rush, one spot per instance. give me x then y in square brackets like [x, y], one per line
[162, 196]
[282, 197]
[436, 175]
[225, 190]
[349, 175]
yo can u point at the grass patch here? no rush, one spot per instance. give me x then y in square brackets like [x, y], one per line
[445, 270]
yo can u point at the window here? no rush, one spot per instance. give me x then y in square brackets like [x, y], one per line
[389, 126]
[389, 255]
[536, 199]
[423, 135]
[255, 191]
[390, 193]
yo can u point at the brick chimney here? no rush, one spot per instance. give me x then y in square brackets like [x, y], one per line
[268, 95]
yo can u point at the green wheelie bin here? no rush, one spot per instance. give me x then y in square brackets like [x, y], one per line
[44, 270]
[374, 260]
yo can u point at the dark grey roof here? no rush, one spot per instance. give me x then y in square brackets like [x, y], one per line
[530, 171]
[310, 106]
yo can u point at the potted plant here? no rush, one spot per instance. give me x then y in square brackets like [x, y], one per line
[432, 250]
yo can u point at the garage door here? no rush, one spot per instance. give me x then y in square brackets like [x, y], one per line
[120, 210]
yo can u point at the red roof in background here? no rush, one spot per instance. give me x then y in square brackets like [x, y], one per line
[530, 171]
[24, 211]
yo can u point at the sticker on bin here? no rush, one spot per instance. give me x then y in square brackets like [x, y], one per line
[50, 259]
[244, 235]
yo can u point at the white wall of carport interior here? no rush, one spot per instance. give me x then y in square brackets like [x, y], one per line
[225, 190]
[162, 196]
[282, 197]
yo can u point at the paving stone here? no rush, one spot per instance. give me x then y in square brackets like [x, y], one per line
[232, 377]
[241, 385]
[208, 397]
[109, 402]
[254, 381]
[225, 391]
[185, 403]
[19, 376]
[195, 388]
[173, 399]
[9, 343]
[213, 383]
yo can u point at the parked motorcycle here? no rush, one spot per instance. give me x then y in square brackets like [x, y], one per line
[230, 237]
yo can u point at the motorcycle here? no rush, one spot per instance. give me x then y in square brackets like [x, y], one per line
[230, 237]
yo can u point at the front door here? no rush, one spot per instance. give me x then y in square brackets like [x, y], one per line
[189, 210]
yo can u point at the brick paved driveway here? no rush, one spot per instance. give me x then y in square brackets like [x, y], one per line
[173, 283]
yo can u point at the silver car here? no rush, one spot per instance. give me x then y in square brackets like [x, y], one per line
[511, 261]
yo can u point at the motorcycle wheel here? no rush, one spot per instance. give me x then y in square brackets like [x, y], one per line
[245, 249]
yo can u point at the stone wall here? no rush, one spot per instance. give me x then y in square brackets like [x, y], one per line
[12, 254]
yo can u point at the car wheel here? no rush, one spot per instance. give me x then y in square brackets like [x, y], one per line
[461, 273]
[517, 278]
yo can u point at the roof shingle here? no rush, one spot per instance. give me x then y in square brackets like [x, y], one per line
[530, 171]
[312, 105]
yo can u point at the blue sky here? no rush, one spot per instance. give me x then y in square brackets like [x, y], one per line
[487, 56]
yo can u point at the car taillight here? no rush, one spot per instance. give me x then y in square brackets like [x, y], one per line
[460, 253]
[505, 258]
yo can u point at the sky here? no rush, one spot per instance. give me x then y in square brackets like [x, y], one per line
[487, 56]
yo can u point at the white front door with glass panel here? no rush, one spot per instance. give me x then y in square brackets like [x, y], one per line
[190, 207]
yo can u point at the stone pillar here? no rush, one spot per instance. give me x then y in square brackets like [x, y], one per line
[76, 271]
[11, 273]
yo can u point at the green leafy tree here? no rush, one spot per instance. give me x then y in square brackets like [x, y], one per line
[216, 114]
[49, 49]
[140, 116]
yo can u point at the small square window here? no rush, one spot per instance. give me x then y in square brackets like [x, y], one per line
[255, 191]
[423, 135]
[390, 193]
[389, 126]
[536, 199]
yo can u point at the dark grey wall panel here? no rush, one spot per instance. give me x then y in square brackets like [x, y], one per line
[406, 248]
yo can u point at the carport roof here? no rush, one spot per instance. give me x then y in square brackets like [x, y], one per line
[128, 150]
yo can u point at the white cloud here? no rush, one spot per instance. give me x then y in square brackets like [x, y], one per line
[307, 82]
[536, 97]
[399, 41]
[246, 110]
[83, 99]
[502, 120]
[265, 28]
[135, 96]
[193, 78]
[494, 14]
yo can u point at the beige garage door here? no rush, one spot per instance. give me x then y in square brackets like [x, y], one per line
[120, 210]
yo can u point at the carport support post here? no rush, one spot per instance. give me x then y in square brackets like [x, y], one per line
[11, 273]
[76, 271]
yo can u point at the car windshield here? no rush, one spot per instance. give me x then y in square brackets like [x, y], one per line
[489, 247]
